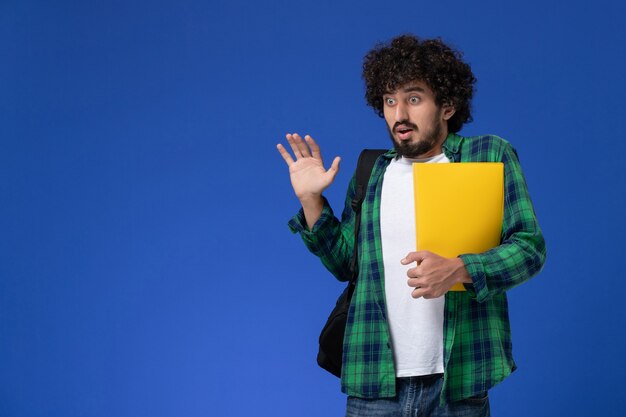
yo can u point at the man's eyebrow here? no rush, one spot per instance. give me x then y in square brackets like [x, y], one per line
[412, 89]
[406, 90]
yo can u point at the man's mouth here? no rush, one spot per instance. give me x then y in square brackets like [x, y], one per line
[404, 132]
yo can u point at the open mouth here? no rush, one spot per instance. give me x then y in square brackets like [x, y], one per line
[404, 133]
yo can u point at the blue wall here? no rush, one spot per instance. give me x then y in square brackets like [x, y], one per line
[145, 264]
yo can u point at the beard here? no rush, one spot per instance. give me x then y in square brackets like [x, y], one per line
[423, 145]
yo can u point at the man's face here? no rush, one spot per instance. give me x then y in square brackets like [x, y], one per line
[417, 125]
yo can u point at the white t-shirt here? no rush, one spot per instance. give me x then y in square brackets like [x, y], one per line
[416, 325]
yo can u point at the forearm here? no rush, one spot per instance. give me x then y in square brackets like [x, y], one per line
[312, 207]
[522, 251]
[329, 238]
[506, 266]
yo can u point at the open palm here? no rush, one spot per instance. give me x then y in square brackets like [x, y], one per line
[308, 176]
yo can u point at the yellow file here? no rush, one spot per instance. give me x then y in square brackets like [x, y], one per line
[458, 207]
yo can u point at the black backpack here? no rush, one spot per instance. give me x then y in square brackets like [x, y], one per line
[330, 351]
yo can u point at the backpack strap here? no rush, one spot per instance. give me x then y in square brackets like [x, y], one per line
[364, 167]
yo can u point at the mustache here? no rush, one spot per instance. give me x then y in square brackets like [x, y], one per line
[404, 123]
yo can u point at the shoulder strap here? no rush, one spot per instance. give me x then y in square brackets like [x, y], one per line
[364, 167]
[363, 172]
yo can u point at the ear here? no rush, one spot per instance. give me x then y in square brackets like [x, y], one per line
[448, 111]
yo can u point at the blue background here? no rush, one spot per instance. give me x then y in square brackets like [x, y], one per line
[146, 268]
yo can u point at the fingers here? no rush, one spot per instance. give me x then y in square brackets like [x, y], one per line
[293, 142]
[420, 292]
[413, 272]
[315, 149]
[306, 148]
[302, 146]
[418, 257]
[416, 279]
[283, 152]
[415, 282]
[420, 287]
[425, 293]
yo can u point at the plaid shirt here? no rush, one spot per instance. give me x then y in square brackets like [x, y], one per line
[477, 336]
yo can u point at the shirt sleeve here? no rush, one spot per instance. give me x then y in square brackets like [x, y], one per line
[522, 251]
[330, 239]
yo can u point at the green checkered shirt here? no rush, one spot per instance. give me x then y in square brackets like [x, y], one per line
[477, 335]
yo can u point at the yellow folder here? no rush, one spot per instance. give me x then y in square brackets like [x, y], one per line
[458, 207]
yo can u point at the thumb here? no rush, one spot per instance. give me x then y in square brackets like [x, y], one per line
[334, 168]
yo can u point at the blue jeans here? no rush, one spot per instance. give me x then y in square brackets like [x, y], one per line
[418, 396]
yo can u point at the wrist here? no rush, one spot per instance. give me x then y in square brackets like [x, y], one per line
[313, 208]
[461, 274]
[311, 200]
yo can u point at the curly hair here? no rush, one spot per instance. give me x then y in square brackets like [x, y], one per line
[406, 59]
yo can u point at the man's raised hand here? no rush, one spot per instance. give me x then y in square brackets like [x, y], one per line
[308, 175]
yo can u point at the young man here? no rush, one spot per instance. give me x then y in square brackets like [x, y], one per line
[418, 349]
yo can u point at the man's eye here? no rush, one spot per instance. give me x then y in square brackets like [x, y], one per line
[390, 101]
[414, 100]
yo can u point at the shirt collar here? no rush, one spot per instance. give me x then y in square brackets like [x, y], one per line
[452, 143]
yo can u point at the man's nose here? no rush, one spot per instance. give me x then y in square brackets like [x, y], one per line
[401, 112]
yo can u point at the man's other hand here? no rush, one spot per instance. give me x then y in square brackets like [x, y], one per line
[434, 275]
